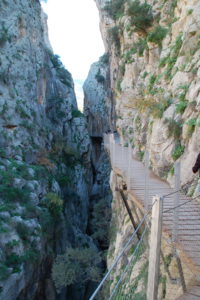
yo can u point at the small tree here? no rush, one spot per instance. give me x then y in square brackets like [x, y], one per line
[141, 15]
[76, 265]
[115, 8]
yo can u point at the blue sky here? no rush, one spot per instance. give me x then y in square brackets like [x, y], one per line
[75, 36]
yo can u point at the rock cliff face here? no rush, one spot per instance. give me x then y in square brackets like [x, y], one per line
[45, 168]
[153, 49]
[154, 65]
[99, 113]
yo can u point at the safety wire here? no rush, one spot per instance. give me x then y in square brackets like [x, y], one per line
[118, 258]
[173, 208]
[121, 254]
[182, 189]
[171, 244]
[130, 263]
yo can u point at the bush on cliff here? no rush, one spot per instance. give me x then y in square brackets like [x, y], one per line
[157, 35]
[141, 15]
[115, 8]
[76, 265]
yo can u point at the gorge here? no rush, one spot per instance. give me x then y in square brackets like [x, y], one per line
[62, 220]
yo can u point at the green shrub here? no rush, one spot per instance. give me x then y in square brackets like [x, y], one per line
[178, 151]
[172, 58]
[4, 272]
[141, 15]
[12, 244]
[2, 153]
[140, 155]
[14, 261]
[128, 56]
[114, 34]
[174, 128]
[77, 265]
[23, 231]
[115, 8]
[118, 85]
[4, 36]
[54, 204]
[141, 45]
[171, 171]
[157, 109]
[100, 78]
[152, 81]
[64, 180]
[64, 75]
[191, 126]
[101, 216]
[181, 106]
[77, 113]
[10, 193]
[157, 35]
[138, 48]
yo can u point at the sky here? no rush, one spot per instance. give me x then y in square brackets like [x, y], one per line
[75, 36]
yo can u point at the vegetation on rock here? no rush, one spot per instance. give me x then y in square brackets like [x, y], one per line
[76, 265]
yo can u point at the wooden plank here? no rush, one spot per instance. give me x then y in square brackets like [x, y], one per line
[155, 247]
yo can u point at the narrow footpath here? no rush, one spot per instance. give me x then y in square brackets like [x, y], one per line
[183, 222]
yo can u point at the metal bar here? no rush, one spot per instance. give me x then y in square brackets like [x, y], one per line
[176, 202]
[127, 266]
[146, 197]
[118, 258]
[129, 211]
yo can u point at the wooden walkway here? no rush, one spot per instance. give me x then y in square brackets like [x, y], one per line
[181, 225]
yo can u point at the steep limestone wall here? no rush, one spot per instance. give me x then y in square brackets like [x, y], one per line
[155, 77]
[45, 169]
[154, 50]
[99, 113]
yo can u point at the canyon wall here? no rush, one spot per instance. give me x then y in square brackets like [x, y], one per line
[153, 49]
[45, 160]
[154, 65]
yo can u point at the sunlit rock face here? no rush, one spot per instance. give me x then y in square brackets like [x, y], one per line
[155, 80]
[45, 169]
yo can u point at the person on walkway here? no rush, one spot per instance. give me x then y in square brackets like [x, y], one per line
[196, 165]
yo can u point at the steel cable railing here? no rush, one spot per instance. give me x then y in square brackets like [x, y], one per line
[129, 263]
[121, 254]
[121, 159]
[118, 258]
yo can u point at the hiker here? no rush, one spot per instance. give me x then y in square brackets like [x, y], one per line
[197, 164]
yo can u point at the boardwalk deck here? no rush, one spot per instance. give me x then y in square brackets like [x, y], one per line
[143, 184]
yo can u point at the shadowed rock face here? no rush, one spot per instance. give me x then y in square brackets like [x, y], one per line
[98, 105]
[44, 157]
[99, 112]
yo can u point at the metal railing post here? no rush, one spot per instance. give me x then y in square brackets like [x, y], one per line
[176, 202]
[129, 167]
[176, 222]
[113, 149]
[146, 184]
[155, 247]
